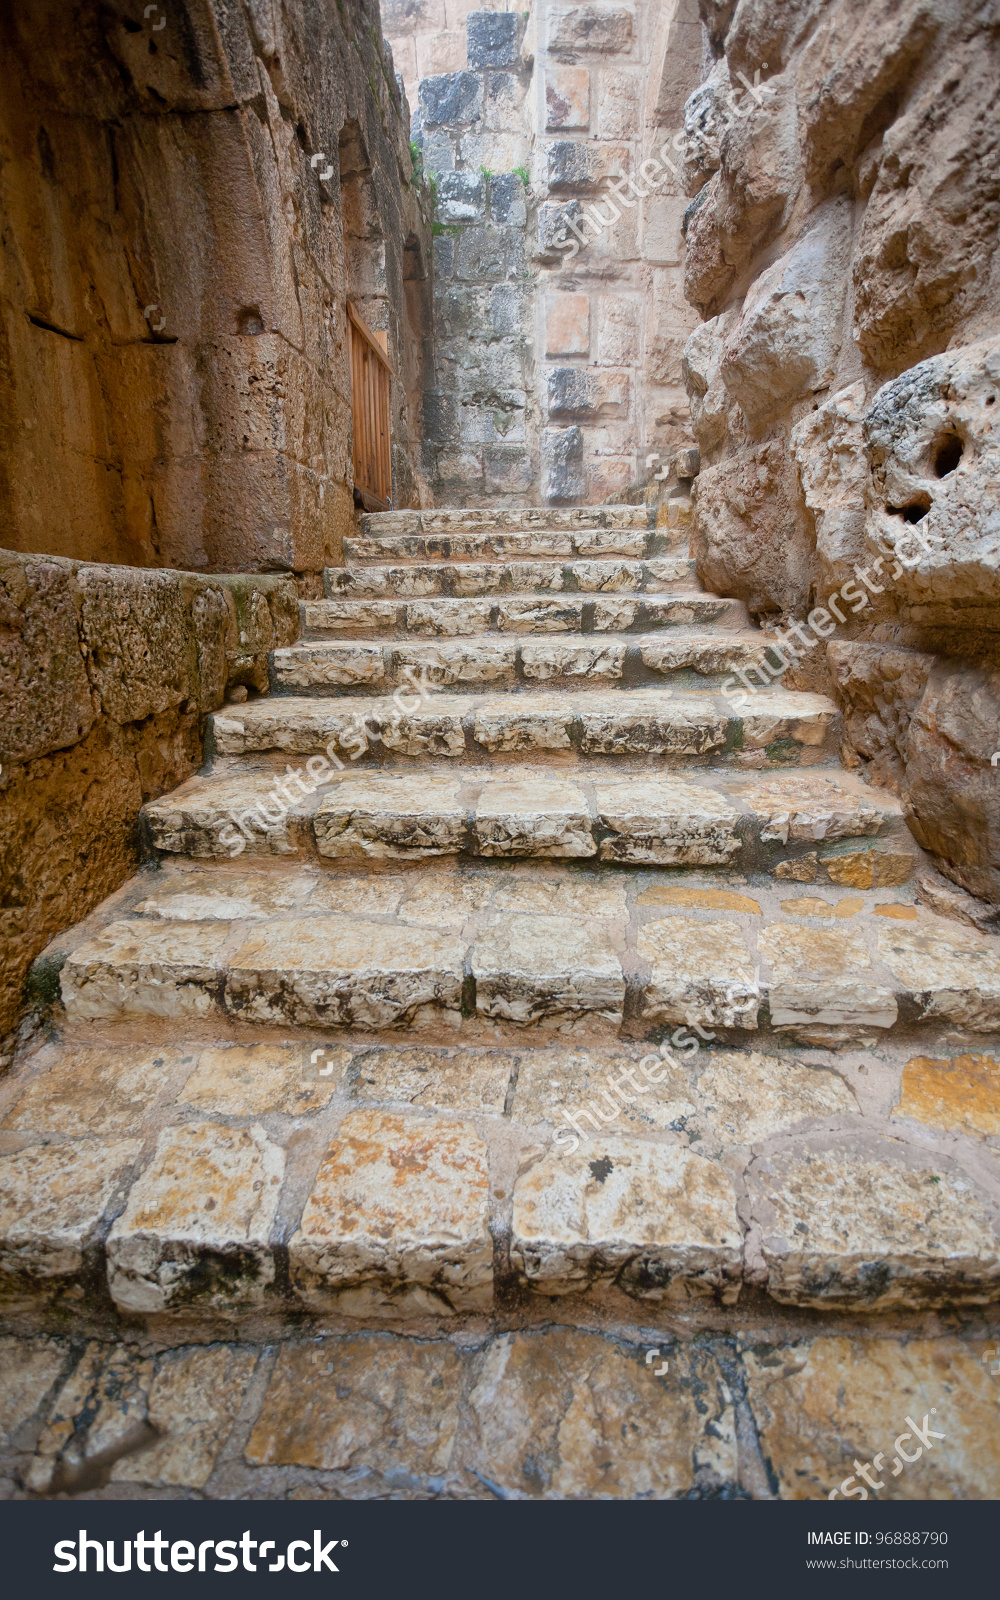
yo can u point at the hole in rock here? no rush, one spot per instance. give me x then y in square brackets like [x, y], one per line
[947, 454]
[250, 321]
[914, 512]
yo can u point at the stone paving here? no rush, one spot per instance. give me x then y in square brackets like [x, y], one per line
[599, 1006]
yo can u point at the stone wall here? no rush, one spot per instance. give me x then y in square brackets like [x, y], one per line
[189, 196]
[427, 37]
[841, 161]
[558, 375]
[107, 674]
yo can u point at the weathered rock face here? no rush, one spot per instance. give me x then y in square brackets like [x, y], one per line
[841, 160]
[106, 677]
[188, 203]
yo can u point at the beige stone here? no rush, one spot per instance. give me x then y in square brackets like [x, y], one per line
[871, 1224]
[315, 665]
[664, 820]
[533, 816]
[951, 973]
[450, 1080]
[376, 1405]
[812, 906]
[818, 978]
[192, 1404]
[344, 616]
[524, 722]
[28, 1369]
[364, 897]
[817, 807]
[650, 722]
[458, 661]
[596, 897]
[444, 902]
[663, 894]
[98, 1410]
[86, 1091]
[561, 1414]
[195, 1235]
[448, 617]
[253, 1080]
[567, 105]
[586, 659]
[202, 817]
[540, 616]
[345, 973]
[864, 869]
[788, 714]
[567, 321]
[749, 1097]
[823, 1404]
[596, 1088]
[52, 1198]
[398, 1220]
[803, 869]
[961, 1093]
[623, 1211]
[133, 969]
[700, 972]
[548, 970]
[391, 817]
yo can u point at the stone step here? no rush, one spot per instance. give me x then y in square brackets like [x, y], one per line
[545, 947]
[777, 727]
[490, 544]
[202, 1181]
[797, 823]
[571, 613]
[540, 519]
[332, 667]
[470, 579]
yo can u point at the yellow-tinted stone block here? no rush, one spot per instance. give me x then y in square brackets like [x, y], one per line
[961, 1094]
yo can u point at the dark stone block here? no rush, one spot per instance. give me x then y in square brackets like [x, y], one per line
[564, 478]
[490, 254]
[494, 38]
[444, 256]
[508, 468]
[440, 417]
[461, 197]
[507, 200]
[452, 98]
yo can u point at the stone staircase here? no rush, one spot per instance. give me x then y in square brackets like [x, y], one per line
[499, 968]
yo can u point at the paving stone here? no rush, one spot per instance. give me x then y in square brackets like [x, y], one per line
[951, 972]
[477, 661]
[666, 821]
[552, 658]
[316, 664]
[368, 896]
[192, 1404]
[811, 906]
[700, 972]
[819, 976]
[668, 894]
[615, 615]
[376, 1405]
[448, 617]
[387, 818]
[195, 1233]
[595, 1087]
[595, 897]
[533, 816]
[456, 1080]
[540, 616]
[644, 1216]
[705, 653]
[747, 1097]
[870, 1223]
[398, 1220]
[253, 1080]
[202, 817]
[28, 1369]
[865, 869]
[444, 902]
[549, 970]
[652, 723]
[788, 714]
[87, 1091]
[960, 1094]
[52, 1198]
[200, 895]
[346, 973]
[135, 969]
[344, 616]
[564, 1414]
[98, 1411]
[823, 1405]
[682, 611]
[524, 722]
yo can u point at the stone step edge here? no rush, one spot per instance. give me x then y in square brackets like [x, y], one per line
[494, 578]
[731, 614]
[473, 544]
[537, 518]
[381, 666]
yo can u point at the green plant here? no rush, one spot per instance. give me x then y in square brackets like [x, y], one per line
[522, 173]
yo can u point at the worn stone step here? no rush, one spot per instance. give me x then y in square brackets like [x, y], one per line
[779, 727]
[533, 947]
[792, 821]
[491, 544]
[469, 579]
[543, 519]
[570, 613]
[331, 667]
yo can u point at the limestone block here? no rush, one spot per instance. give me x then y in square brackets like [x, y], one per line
[99, 1407]
[89, 1091]
[540, 616]
[478, 661]
[619, 97]
[604, 28]
[817, 807]
[489, 254]
[133, 969]
[642, 1215]
[708, 396]
[553, 658]
[398, 1220]
[444, 902]
[450, 1080]
[195, 1233]
[43, 681]
[567, 98]
[587, 394]
[524, 722]
[575, 167]
[448, 617]
[555, 1085]
[314, 665]
[476, 578]
[507, 201]
[549, 970]
[611, 542]
[192, 1404]
[52, 1198]
[564, 474]
[699, 972]
[750, 534]
[139, 638]
[203, 818]
[608, 577]
[828, 446]
[871, 1223]
[666, 821]
[461, 197]
[386, 818]
[584, 900]
[343, 616]
[254, 1080]
[27, 1372]
[960, 1094]
[951, 972]
[567, 324]
[708, 276]
[709, 654]
[820, 976]
[343, 972]
[651, 723]
[614, 616]
[533, 816]
[745, 1098]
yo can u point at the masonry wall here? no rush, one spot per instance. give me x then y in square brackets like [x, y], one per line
[845, 386]
[173, 273]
